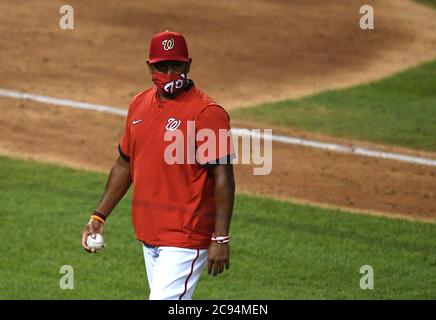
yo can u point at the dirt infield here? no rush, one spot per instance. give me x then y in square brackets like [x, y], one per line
[244, 52]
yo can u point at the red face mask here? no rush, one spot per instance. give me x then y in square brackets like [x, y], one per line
[170, 84]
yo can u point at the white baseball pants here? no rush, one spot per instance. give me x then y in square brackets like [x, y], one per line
[173, 272]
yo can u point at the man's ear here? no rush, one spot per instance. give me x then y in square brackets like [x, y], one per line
[149, 67]
[188, 66]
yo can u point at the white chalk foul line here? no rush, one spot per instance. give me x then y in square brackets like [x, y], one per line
[340, 148]
[61, 102]
[238, 131]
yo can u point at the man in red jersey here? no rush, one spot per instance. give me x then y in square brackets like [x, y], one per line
[181, 210]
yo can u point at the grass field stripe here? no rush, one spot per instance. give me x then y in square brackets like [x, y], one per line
[240, 131]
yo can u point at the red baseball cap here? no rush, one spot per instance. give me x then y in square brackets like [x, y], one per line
[168, 45]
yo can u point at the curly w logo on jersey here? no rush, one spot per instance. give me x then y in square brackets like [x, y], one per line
[173, 124]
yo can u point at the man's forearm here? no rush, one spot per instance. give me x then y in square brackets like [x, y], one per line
[118, 183]
[224, 199]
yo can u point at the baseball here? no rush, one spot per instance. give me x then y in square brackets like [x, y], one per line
[95, 241]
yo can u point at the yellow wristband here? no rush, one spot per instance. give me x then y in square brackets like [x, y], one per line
[94, 217]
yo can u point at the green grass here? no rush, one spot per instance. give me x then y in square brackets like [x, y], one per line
[399, 110]
[431, 3]
[279, 250]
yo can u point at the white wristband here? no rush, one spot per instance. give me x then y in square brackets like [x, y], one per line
[220, 239]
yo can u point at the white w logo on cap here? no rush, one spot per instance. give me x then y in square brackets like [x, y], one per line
[168, 44]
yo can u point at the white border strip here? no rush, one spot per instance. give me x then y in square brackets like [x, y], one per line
[340, 148]
[61, 102]
[240, 131]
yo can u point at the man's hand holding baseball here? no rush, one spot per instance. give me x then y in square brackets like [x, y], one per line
[93, 227]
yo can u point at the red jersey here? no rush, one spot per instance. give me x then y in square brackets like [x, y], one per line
[173, 204]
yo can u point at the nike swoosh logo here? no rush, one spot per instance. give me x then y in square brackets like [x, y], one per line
[136, 121]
